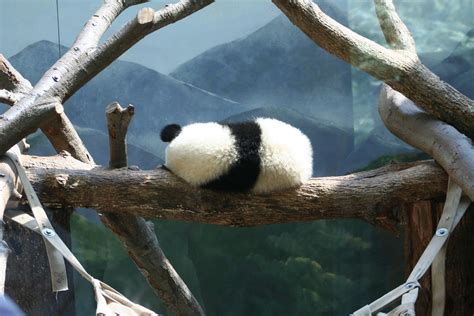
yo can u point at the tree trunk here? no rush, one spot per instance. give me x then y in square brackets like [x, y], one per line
[421, 219]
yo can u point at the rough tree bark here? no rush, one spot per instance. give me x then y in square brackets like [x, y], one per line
[368, 195]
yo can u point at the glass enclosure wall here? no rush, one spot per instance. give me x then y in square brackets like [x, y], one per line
[232, 61]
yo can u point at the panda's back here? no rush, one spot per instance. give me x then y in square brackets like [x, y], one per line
[260, 156]
[286, 156]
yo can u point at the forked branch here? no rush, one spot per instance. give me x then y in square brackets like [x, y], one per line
[400, 68]
[57, 85]
[58, 128]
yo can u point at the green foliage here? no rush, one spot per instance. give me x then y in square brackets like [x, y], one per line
[317, 268]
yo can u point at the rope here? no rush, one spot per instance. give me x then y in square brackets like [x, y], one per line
[58, 27]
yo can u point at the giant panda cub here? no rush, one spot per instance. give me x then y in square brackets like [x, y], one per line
[259, 156]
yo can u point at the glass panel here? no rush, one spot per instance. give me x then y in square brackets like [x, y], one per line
[237, 60]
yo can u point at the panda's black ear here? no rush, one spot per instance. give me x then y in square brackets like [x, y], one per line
[169, 132]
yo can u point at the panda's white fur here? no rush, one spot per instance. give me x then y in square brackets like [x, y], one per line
[203, 152]
[286, 156]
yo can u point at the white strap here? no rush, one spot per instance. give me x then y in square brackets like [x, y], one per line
[57, 266]
[109, 301]
[454, 208]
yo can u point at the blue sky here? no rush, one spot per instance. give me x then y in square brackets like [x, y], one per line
[23, 22]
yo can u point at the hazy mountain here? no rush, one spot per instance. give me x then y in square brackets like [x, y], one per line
[330, 143]
[278, 66]
[158, 99]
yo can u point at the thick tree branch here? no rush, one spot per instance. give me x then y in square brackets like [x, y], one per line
[146, 22]
[9, 97]
[138, 236]
[64, 137]
[369, 195]
[139, 239]
[86, 42]
[55, 124]
[400, 69]
[395, 31]
[11, 80]
[61, 83]
[451, 149]
[58, 129]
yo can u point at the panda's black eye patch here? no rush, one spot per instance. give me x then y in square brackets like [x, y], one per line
[169, 132]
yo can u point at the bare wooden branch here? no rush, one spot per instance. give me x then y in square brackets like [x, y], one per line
[64, 137]
[146, 22]
[369, 195]
[86, 41]
[138, 236]
[58, 129]
[140, 240]
[395, 31]
[400, 69]
[9, 97]
[11, 79]
[451, 149]
[61, 83]
[118, 119]
[18, 122]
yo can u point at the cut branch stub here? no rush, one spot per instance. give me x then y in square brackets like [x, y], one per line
[118, 120]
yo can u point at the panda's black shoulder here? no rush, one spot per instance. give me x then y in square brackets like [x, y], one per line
[246, 129]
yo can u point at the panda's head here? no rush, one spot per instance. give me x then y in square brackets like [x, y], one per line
[261, 156]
